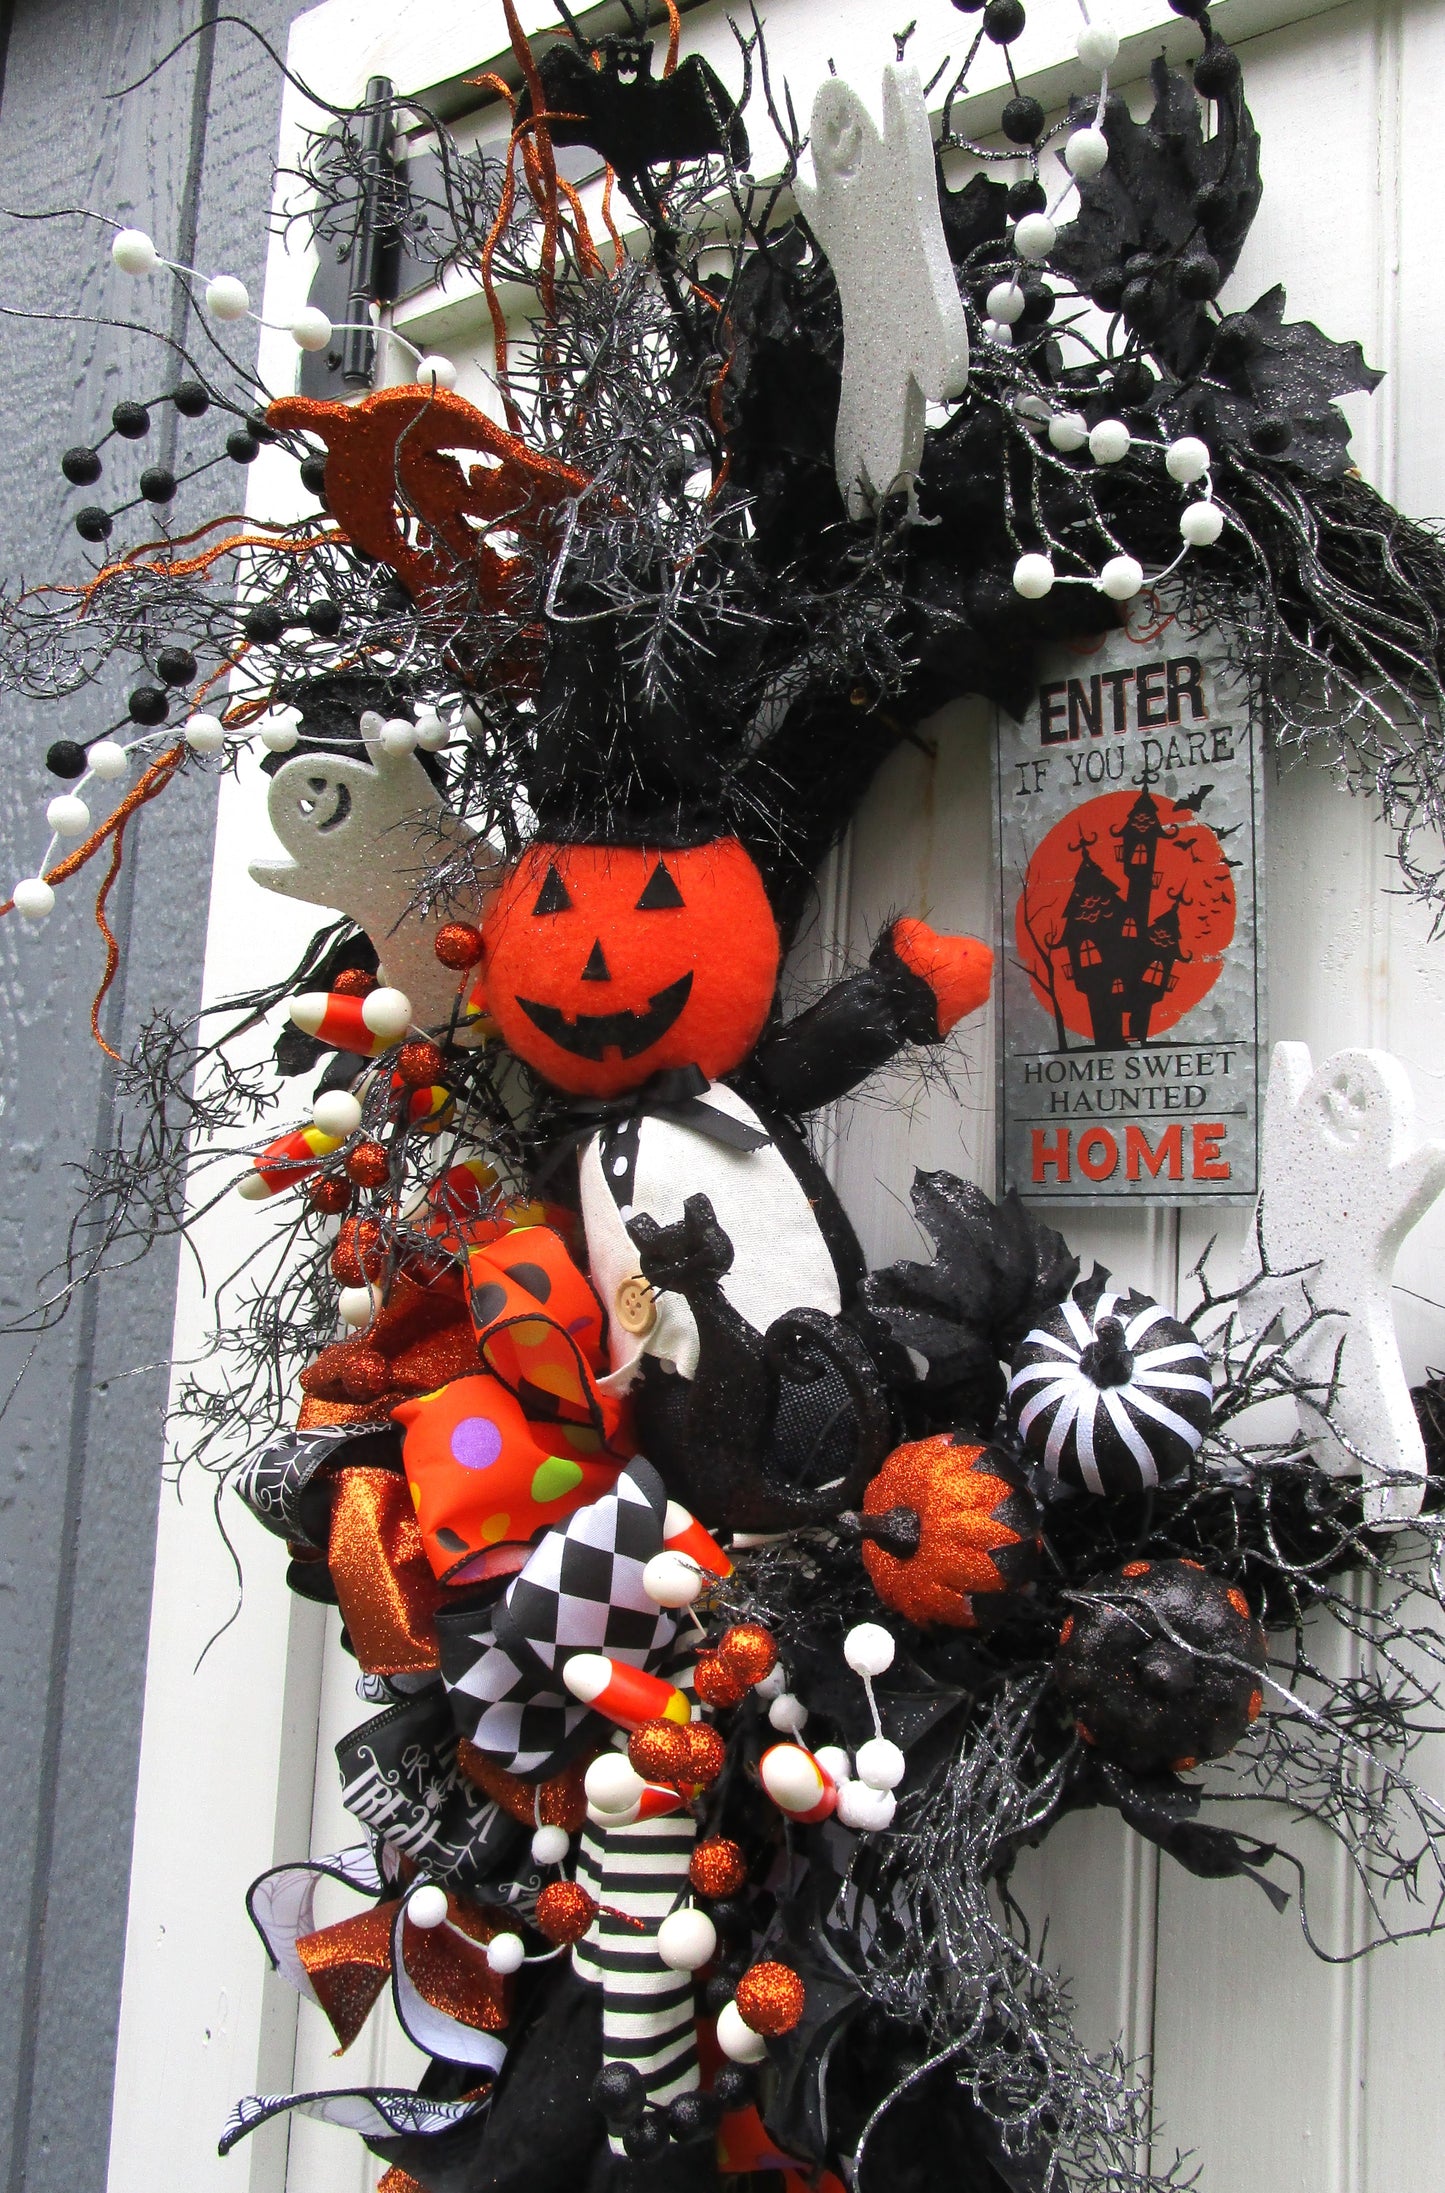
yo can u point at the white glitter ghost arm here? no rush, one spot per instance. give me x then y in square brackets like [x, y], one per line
[873, 206]
[1344, 1179]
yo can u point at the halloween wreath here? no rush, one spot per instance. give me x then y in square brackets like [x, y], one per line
[731, 1615]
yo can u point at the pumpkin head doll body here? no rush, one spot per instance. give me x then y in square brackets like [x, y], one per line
[638, 978]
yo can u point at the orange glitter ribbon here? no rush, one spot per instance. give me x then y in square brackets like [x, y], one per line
[560, 1802]
[350, 1963]
[420, 1338]
[394, 448]
[458, 1980]
[383, 1580]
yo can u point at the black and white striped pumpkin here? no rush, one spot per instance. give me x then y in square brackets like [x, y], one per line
[1110, 1392]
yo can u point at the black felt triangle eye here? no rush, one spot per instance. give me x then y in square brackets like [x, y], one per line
[659, 891]
[552, 898]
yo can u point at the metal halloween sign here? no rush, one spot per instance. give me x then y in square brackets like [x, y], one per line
[1128, 811]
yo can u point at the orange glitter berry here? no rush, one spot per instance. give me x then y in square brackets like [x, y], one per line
[717, 1867]
[659, 1751]
[715, 1685]
[329, 1194]
[420, 1063]
[368, 1165]
[564, 1912]
[770, 1998]
[458, 945]
[353, 982]
[706, 1752]
[747, 1652]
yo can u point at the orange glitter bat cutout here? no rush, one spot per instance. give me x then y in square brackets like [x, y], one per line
[388, 460]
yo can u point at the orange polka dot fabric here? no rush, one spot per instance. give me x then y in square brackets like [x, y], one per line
[496, 1457]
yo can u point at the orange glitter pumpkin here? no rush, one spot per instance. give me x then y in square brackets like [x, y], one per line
[976, 1531]
[606, 964]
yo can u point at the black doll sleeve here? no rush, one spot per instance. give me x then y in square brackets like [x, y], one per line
[854, 1028]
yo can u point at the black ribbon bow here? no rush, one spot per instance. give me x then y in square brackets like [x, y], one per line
[674, 1094]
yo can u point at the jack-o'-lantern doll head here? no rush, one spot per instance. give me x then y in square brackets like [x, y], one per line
[608, 963]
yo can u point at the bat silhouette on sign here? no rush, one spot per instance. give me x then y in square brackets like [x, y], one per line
[634, 119]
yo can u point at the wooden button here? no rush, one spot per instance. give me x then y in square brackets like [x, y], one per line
[635, 1305]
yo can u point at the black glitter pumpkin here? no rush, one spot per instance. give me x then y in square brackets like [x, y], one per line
[1110, 1392]
[1162, 1668]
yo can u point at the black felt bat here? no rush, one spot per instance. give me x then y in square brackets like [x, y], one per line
[995, 1268]
[1168, 190]
[634, 119]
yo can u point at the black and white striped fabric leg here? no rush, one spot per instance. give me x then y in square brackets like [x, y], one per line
[639, 1874]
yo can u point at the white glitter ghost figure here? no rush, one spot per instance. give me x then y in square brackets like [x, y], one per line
[360, 835]
[873, 206]
[1344, 1179]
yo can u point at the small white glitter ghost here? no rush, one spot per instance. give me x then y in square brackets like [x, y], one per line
[1344, 1179]
[873, 206]
[361, 836]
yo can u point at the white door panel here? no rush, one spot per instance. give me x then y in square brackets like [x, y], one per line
[1284, 2075]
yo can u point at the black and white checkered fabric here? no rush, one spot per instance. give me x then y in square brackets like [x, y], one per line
[580, 1592]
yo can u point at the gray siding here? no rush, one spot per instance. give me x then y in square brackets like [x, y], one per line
[80, 1440]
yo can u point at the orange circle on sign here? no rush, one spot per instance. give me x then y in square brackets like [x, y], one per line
[1125, 916]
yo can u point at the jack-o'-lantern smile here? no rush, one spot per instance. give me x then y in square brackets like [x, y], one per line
[593, 1035]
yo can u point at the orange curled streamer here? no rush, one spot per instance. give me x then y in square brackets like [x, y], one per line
[494, 304]
[523, 135]
[530, 136]
[619, 251]
[169, 568]
[674, 34]
[588, 257]
[490, 81]
[547, 202]
[155, 780]
[715, 413]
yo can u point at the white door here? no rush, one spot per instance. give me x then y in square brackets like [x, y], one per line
[1284, 2075]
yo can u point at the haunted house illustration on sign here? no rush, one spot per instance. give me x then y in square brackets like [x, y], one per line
[1122, 961]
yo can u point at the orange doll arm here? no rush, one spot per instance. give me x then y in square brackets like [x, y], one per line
[958, 970]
